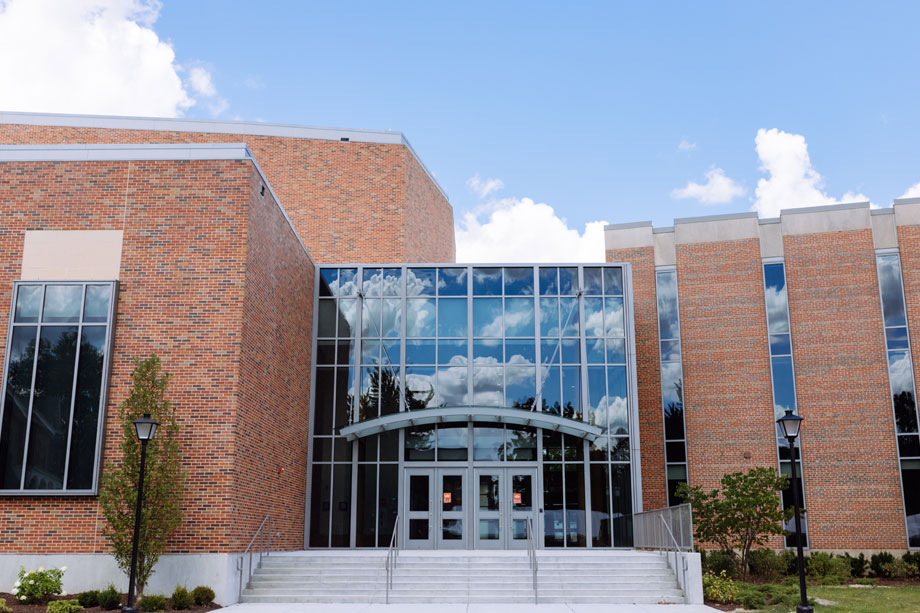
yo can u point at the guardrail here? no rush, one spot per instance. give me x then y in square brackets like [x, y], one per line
[392, 556]
[670, 531]
[532, 556]
[264, 549]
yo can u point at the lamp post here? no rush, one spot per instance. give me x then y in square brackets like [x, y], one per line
[145, 428]
[790, 424]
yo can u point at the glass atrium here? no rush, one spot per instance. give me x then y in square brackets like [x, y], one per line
[471, 403]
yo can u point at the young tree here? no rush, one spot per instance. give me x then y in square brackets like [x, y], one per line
[743, 513]
[164, 479]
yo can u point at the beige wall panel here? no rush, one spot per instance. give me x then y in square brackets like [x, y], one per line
[71, 255]
[665, 254]
[771, 240]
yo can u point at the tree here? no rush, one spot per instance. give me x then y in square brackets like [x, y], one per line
[743, 513]
[164, 479]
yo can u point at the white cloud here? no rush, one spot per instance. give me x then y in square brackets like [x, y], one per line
[253, 82]
[520, 230]
[686, 145]
[483, 188]
[718, 189]
[793, 182]
[912, 192]
[92, 56]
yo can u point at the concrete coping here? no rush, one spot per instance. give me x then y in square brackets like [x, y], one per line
[906, 201]
[627, 226]
[885, 211]
[663, 230]
[134, 152]
[825, 207]
[710, 218]
[768, 220]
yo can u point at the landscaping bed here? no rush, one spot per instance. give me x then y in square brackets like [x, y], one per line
[18, 607]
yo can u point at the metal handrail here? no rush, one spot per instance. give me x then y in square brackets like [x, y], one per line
[263, 549]
[392, 556]
[659, 535]
[532, 555]
[678, 560]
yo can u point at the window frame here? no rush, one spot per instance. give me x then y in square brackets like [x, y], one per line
[104, 383]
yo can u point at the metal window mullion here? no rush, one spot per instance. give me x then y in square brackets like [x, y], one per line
[469, 341]
[38, 337]
[538, 393]
[582, 346]
[73, 391]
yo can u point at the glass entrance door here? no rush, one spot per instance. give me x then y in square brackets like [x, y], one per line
[488, 528]
[451, 516]
[506, 500]
[419, 508]
[522, 483]
[435, 512]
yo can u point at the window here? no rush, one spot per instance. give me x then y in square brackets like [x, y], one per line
[672, 382]
[53, 400]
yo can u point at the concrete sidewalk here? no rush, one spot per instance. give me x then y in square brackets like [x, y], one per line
[467, 608]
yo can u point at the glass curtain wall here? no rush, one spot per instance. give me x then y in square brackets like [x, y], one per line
[903, 390]
[547, 339]
[783, 375]
[672, 382]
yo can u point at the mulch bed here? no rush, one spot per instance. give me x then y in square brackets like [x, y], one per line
[18, 607]
[759, 581]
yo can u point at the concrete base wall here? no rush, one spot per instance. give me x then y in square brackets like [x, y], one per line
[95, 571]
[689, 571]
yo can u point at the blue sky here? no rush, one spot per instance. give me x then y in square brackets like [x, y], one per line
[581, 106]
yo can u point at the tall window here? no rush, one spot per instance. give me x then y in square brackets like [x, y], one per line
[781, 368]
[672, 382]
[903, 391]
[54, 387]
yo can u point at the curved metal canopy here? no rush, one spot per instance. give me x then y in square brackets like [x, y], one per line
[405, 419]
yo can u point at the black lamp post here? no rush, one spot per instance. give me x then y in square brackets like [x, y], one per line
[146, 428]
[790, 424]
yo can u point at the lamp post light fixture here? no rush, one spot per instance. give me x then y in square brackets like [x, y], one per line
[146, 428]
[790, 423]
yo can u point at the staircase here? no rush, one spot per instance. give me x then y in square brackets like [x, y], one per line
[610, 577]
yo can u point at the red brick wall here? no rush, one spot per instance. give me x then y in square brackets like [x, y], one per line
[350, 202]
[852, 487]
[189, 272]
[651, 428]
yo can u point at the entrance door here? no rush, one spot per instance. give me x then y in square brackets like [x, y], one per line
[451, 516]
[506, 500]
[522, 483]
[419, 508]
[488, 531]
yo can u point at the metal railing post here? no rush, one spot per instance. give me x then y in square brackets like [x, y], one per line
[260, 535]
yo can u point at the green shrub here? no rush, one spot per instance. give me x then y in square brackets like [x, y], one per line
[896, 569]
[64, 606]
[203, 595]
[719, 588]
[36, 586]
[3, 607]
[912, 560]
[89, 599]
[828, 568]
[751, 597]
[151, 603]
[767, 565]
[792, 562]
[878, 560]
[110, 598]
[181, 599]
[722, 561]
[865, 581]
[857, 564]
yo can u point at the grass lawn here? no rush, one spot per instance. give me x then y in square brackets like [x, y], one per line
[864, 599]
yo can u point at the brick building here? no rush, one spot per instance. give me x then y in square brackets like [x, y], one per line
[327, 377]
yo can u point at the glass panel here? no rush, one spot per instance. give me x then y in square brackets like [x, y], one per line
[452, 352]
[552, 445]
[600, 505]
[780, 344]
[344, 396]
[521, 445]
[420, 352]
[28, 302]
[420, 390]
[595, 350]
[348, 282]
[617, 412]
[51, 406]
[571, 392]
[487, 317]
[452, 282]
[421, 318]
[670, 351]
[619, 449]
[96, 308]
[519, 281]
[775, 296]
[346, 353]
[390, 353]
[453, 442]
[16, 405]
[592, 281]
[322, 449]
[389, 446]
[549, 282]
[391, 318]
[550, 351]
[568, 316]
[369, 400]
[62, 303]
[520, 387]
[568, 281]
[370, 318]
[889, 278]
[613, 281]
[487, 386]
[676, 452]
[520, 352]
[522, 493]
[452, 386]
[327, 317]
[325, 353]
[341, 450]
[668, 323]
[487, 281]
[323, 404]
[910, 475]
[366, 505]
[551, 401]
[328, 278]
[575, 533]
[909, 446]
[487, 352]
[418, 529]
[549, 316]
[388, 503]
[320, 505]
[488, 530]
[86, 409]
[594, 317]
[452, 529]
[783, 386]
[571, 351]
[597, 449]
[597, 397]
[418, 493]
[488, 444]
[622, 505]
[392, 281]
[614, 324]
[900, 373]
[896, 338]
[452, 318]
[373, 282]
[519, 529]
[420, 282]
[554, 511]
[574, 448]
[519, 318]
[451, 492]
[672, 397]
[390, 391]
[488, 492]
[420, 445]
[348, 318]
[341, 505]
